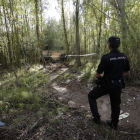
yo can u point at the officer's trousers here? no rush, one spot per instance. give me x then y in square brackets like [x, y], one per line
[114, 91]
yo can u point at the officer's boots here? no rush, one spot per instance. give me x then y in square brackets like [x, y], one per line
[114, 126]
[97, 121]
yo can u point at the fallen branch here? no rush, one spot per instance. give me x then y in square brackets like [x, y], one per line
[30, 130]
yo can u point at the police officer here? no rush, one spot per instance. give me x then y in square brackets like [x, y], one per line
[115, 66]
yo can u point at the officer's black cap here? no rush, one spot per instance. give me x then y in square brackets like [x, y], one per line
[114, 40]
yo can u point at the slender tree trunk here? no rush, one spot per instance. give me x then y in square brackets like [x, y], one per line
[121, 8]
[122, 14]
[37, 20]
[78, 61]
[100, 29]
[85, 39]
[64, 27]
[37, 30]
[37, 26]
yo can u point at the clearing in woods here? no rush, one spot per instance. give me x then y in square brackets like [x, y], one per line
[53, 53]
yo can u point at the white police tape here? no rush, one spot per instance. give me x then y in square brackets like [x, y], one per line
[68, 55]
[73, 55]
[82, 55]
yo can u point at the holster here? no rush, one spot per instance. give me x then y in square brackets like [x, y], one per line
[123, 83]
[101, 82]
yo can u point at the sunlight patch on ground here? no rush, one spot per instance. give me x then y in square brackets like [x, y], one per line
[59, 89]
[4, 81]
[36, 68]
[80, 76]
[63, 70]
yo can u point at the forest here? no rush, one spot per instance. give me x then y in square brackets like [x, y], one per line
[48, 66]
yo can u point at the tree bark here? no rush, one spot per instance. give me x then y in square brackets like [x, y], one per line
[124, 27]
[37, 31]
[100, 29]
[78, 61]
[64, 27]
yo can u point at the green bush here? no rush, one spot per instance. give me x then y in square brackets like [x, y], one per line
[33, 80]
[19, 97]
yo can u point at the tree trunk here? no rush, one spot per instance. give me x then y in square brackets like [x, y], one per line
[64, 27]
[100, 30]
[37, 27]
[123, 21]
[78, 61]
[85, 40]
[37, 31]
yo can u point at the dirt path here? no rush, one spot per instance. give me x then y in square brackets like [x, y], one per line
[74, 93]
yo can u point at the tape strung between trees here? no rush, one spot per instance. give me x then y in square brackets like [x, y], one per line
[82, 55]
[68, 55]
[74, 55]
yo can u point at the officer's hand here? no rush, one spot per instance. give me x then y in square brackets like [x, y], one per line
[97, 75]
[126, 73]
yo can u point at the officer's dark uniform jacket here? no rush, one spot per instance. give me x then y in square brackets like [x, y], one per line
[113, 65]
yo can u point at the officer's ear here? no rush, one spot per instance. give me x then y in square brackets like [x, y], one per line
[109, 45]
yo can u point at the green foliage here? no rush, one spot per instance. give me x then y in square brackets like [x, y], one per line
[33, 80]
[89, 72]
[66, 76]
[19, 97]
[23, 95]
[53, 35]
[19, 36]
[23, 98]
[86, 76]
[25, 33]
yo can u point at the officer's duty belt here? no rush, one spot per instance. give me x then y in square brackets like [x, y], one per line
[113, 81]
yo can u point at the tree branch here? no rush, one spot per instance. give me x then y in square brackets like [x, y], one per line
[104, 13]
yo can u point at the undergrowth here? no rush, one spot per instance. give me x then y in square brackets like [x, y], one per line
[66, 76]
[21, 92]
[24, 99]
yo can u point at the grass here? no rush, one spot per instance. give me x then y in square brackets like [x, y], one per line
[18, 97]
[22, 99]
[66, 76]
[88, 72]
[22, 95]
